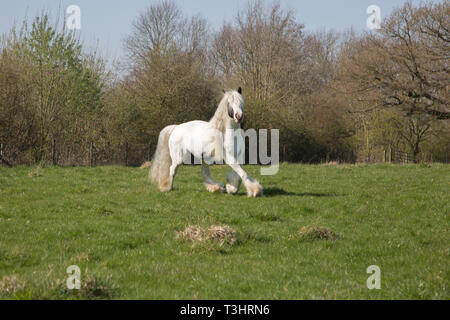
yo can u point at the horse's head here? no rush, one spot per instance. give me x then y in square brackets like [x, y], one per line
[236, 105]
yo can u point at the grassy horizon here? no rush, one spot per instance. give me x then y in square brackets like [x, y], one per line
[122, 233]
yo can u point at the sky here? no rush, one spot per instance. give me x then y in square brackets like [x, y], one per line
[105, 23]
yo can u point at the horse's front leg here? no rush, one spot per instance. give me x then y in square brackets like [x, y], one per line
[233, 182]
[254, 189]
[234, 151]
[210, 184]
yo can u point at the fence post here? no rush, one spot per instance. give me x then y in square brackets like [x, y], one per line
[126, 153]
[2, 160]
[390, 154]
[149, 154]
[91, 154]
[53, 152]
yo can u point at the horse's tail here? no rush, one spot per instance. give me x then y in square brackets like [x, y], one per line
[160, 168]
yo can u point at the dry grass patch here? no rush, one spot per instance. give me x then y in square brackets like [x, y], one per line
[92, 288]
[146, 165]
[331, 163]
[221, 234]
[311, 233]
[35, 172]
[83, 257]
[10, 285]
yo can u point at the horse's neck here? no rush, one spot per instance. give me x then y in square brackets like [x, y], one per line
[219, 123]
[221, 120]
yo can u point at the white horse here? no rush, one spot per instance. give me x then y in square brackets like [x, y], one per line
[210, 141]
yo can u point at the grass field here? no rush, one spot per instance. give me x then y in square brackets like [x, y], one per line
[122, 234]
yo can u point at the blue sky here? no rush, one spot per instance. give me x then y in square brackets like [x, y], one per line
[104, 24]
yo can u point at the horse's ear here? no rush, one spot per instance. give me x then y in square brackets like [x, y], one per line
[240, 90]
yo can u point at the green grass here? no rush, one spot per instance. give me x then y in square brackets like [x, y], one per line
[121, 232]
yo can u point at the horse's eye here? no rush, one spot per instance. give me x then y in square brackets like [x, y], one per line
[230, 112]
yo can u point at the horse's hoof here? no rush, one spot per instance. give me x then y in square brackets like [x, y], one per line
[165, 189]
[254, 189]
[231, 189]
[214, 188]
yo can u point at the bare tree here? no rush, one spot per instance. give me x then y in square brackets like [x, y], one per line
[261, 50]
[170, 79]
[404, 66]
[155, 30]
[161, 29]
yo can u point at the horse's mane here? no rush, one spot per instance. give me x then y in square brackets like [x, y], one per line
[221, 115]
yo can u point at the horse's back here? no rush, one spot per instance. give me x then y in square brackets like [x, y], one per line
[194, 129]
[194, 125]
[193, 136]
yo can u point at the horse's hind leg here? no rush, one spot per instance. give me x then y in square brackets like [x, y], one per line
[210, 184]
[172, 173]
[177, 158]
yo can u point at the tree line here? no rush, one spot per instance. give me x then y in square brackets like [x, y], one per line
[334, 96]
